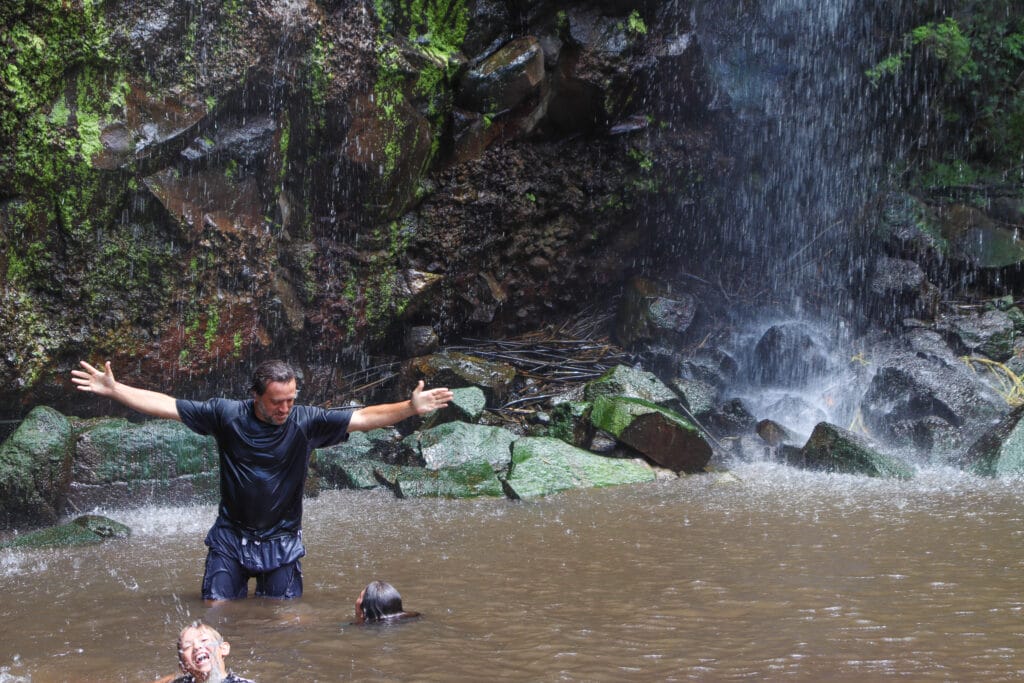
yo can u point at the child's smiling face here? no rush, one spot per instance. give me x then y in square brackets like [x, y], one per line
[201, 651]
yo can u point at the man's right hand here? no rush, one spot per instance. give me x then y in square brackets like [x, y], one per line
[103, 383]
[94, 381]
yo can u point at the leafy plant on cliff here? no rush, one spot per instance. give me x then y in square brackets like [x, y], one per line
[435, 29]
[968, 68]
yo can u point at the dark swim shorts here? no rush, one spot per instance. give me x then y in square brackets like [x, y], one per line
[226, 579]
[235, 557]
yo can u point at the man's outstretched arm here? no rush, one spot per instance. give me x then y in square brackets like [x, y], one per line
[151, 403]
[387, 414]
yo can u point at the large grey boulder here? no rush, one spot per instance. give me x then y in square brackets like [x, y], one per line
[790, 354]
[898, 289]
[35, 469]
[457, 443]
[991, 334]
[352, 464]
[929, 404]
[543, 465]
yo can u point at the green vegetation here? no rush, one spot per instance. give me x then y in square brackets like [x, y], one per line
[646, 182]
[61, 88]
[435, 30]
[642, 158]
[1004, 380]
[440, 25]
[968, 66]
[382, 301]
[635, 24]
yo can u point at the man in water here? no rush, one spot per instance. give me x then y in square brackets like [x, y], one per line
[265, 445]
[201, 653]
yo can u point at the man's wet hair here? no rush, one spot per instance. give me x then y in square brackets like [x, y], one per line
[270, 371]
[380, 601]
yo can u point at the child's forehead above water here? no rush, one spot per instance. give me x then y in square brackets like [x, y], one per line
[192, 635]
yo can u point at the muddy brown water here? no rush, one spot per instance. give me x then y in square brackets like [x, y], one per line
[768, 573]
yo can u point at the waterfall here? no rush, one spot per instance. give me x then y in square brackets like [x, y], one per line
[804, 137]
[807, 153]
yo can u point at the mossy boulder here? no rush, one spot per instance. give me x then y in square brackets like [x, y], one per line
[570, 422]
[835, 449]
[84, 530]
[468, 480]
[123, 463]
[633, 383]
[544, 465]
[351, 464]
[456, 443]
[115, 450]
[454, 370]
[35, 469]
[467, 405]
[104, 527]
[660, 434]
[1000, 451]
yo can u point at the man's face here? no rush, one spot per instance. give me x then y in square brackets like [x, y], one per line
[276, 402]
[201, 653]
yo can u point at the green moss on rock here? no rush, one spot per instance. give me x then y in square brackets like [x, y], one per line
[116, 450]
[835, 449]
[35, 469]
[469, 480]
[542, 466]
[84, 530]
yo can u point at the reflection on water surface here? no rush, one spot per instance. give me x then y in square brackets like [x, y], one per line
[773, 573]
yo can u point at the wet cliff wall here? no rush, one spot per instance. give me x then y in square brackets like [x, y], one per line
[189, 187]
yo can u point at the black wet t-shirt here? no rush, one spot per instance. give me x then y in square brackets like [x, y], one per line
[263, 466]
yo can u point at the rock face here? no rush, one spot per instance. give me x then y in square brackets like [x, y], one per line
[190, 188]
[35, 469]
